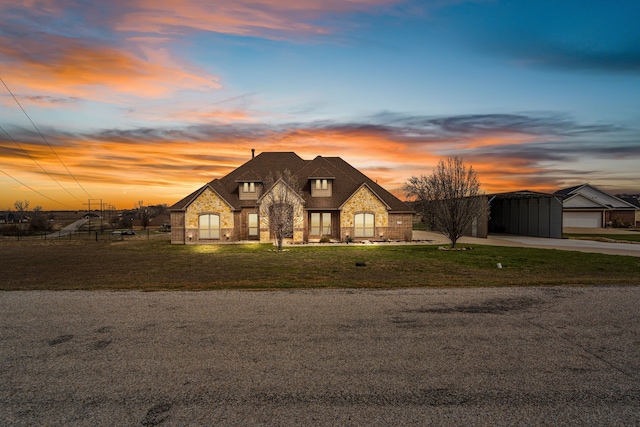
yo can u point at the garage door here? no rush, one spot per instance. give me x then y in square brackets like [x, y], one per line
[582, 219]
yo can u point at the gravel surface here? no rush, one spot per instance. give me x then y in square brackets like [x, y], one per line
[490, 356]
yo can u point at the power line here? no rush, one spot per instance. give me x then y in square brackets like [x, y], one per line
[34, 161]
[43, 138]
[35, 191]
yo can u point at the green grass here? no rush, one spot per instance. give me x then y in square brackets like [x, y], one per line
[157, 265]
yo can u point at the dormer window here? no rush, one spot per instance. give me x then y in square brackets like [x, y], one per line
[248, 191]
[249, 187]
[322, 184]
[321, 187]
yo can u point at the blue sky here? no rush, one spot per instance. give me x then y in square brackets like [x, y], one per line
[148, 100]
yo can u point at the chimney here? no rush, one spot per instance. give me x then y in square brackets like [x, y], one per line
[253, 153]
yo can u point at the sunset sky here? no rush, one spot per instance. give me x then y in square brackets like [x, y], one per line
[150, 99]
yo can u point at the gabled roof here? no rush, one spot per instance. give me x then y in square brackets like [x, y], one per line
[321, 173]
[183, 203]
[364, 185]
[569, 191]
[346, 181]
[290, 190]
[215, 186]
[249, 176]
[586, 194]
[580, 201]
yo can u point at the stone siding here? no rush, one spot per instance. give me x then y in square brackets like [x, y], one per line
[298, 223]
[208, 202]
[364, 200]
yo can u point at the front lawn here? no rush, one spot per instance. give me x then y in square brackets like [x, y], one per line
[157, 265]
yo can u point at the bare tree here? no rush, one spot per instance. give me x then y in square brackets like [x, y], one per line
[279, 204]
[450, 197]
[39, 220]
[21, 207]
[143, 213]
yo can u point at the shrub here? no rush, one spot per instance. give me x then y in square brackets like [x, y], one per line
[618, 223]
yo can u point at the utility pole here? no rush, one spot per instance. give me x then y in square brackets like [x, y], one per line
[89, 208]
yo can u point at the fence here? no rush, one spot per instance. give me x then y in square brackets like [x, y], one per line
[94, 235]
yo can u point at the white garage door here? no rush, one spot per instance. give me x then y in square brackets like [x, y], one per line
[582, 219]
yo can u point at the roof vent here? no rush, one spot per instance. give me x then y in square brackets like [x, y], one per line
[253, 153]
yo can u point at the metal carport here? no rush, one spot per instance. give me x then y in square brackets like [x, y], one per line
[526, 213]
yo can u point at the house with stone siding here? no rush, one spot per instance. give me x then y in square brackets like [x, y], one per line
[339, 203]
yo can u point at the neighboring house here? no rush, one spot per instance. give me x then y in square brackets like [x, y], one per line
[588, 206]
[161, 222]
[9, 218]
[339, 202]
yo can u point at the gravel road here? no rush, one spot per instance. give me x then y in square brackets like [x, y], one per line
[490, 356]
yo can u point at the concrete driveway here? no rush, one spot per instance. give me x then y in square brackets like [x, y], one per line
[631, 249]
[492, 356]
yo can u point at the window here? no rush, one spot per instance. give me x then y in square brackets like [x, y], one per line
[249, 187]
[326, 223]
[364, 225]
[322, 184]
[253, 225]
[321, 223]
[321, 187]
[209, 226]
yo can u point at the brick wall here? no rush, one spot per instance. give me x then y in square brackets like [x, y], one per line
[625, 217]
[177, 228]
[400, 227]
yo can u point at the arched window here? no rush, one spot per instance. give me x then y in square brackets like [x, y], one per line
[364, 225]
[209, 226]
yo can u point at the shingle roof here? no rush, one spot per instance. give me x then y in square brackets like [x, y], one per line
[346, 181]
[630, 199]
[568, 191]
[249, 176]
[321, 173]
[183, 203]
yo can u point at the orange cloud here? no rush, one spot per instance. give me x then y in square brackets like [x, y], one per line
[163, 165]
[262, 18]
[71, 68]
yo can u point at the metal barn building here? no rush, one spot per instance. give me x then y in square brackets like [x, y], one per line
[526, 213]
